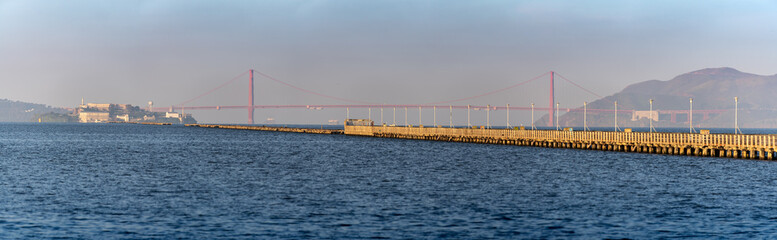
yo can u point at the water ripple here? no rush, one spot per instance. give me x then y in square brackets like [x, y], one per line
[132, 181]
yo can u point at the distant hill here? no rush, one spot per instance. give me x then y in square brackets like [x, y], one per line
[711, 88]
[15, 111]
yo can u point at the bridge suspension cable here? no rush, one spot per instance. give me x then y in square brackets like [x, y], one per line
[489, 93]
[214, 89]
[309, 91]
[578, 86]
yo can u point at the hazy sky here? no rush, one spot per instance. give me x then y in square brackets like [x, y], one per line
[395, 52]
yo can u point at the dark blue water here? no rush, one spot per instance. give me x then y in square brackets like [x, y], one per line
[135, 181]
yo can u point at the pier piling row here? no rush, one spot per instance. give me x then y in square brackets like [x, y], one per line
[745, 146]
[691, 144]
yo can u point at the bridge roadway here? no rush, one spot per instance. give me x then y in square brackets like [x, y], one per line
[745, 146]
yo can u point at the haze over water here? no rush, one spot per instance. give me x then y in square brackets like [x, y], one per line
[378, 51]
[134, 181]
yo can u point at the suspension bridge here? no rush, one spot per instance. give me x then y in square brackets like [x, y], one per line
[736, 145]
[552, 108]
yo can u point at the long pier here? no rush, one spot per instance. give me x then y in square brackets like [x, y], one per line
[691, 144]
[273, 129]
[744, 146]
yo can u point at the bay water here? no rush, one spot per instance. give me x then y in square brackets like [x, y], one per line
[127, 181]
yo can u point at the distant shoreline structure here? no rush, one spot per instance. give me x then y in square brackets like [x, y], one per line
[112, 112]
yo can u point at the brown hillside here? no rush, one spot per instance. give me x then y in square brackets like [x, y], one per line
[711, 88]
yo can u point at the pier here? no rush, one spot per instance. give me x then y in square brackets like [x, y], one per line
[144, 123]
[272, 129]
[690, 144]
[743, 146]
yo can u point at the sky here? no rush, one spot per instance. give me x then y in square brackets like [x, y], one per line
[392, 52]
